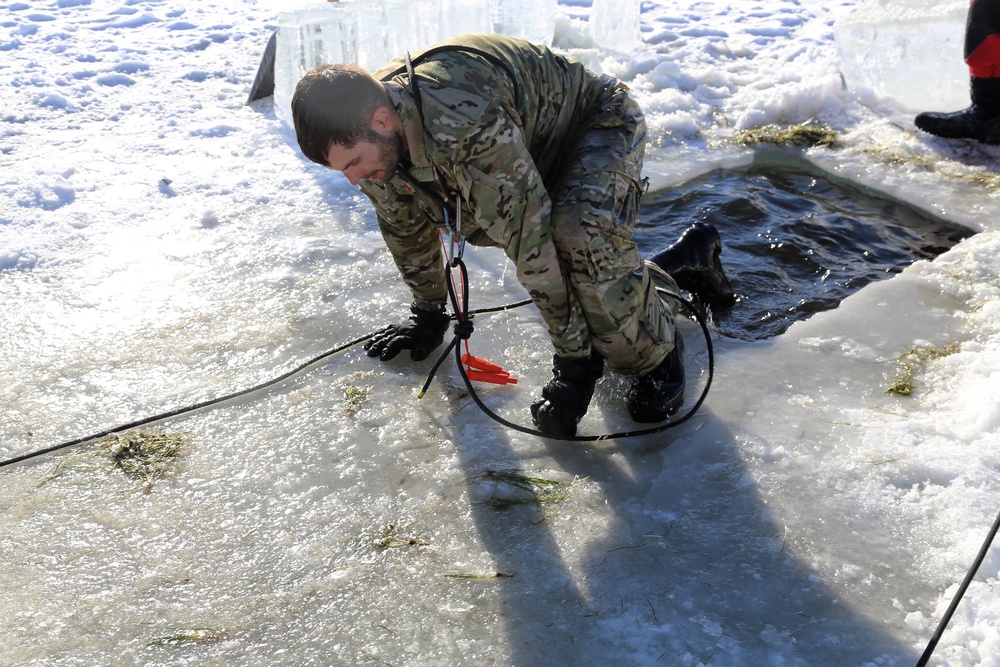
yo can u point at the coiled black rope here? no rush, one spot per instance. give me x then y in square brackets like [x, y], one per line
[607, 436]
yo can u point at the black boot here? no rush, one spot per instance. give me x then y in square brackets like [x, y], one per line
[567, 395]
[693, 262]
[981, 121]
[653, 397]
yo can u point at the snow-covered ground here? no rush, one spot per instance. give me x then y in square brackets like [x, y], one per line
[161, 243]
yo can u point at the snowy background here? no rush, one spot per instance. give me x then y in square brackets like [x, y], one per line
[162, 243]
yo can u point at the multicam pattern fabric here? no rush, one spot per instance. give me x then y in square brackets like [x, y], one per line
[546, 166]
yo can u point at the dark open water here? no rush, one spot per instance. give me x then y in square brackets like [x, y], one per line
[794, 244]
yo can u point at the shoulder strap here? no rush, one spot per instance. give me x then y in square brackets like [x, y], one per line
[414, 89]
[491, 58]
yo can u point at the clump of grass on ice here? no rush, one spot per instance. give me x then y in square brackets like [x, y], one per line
[528, 487]
[356, 392]
[910, 363]
[394, 537]
[193, 636]
[491, 575]
[809, 133]
[144, 455]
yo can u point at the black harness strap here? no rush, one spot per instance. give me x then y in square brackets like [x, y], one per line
[444, 48]
[432, 201]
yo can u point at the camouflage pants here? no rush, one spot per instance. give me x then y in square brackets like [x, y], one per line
[625, 301]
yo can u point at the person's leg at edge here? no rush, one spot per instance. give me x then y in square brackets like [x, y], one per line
[981, 120]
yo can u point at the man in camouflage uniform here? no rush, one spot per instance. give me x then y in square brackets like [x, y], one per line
[544, 159]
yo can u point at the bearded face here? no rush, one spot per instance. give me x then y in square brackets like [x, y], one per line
[374, 157]
[390, 151]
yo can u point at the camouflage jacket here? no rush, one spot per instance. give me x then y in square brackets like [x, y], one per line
[494, 132]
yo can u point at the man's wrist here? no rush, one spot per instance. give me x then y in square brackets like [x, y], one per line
[428, 306]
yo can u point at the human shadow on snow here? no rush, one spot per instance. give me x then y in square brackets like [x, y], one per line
[678, 562]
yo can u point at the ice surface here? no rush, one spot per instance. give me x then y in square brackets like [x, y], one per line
[370, 33]
[909, 52]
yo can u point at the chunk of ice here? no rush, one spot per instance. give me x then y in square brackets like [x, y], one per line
[370, 33]
[614, 25]
[908, 52]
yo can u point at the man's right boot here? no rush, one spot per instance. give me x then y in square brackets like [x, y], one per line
[693, 262]
[565, 397]
[981, 121]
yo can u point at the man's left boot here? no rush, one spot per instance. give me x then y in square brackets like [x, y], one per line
[981, 121]
[693, 262]
[653, 397]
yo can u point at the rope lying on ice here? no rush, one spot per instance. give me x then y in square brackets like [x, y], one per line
[459, 299]
[315, 360]
[184, 410]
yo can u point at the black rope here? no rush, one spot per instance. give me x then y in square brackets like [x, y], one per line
[460, 333]
[222, 399]
[608, 436]
[436, 366]
[946, 619]
[188, 408]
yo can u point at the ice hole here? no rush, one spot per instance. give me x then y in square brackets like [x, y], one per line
[794, 243]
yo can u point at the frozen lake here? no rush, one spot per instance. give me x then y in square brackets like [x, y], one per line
[162, 244]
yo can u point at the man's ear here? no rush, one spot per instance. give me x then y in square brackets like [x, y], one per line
[381, 119]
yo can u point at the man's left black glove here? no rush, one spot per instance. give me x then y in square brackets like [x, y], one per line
[421, 334]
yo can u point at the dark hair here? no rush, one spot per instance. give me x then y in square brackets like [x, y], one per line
[333, 104]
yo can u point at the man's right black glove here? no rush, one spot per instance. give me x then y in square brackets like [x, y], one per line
[421, 334]
[565, 397]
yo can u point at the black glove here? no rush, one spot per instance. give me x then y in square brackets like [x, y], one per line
[565, 397]
[421, 334]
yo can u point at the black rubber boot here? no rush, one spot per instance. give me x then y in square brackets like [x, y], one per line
[653, 397]
[567, 395]
[693, 262]
[981, 121]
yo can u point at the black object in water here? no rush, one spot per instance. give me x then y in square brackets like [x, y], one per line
[794, 244]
